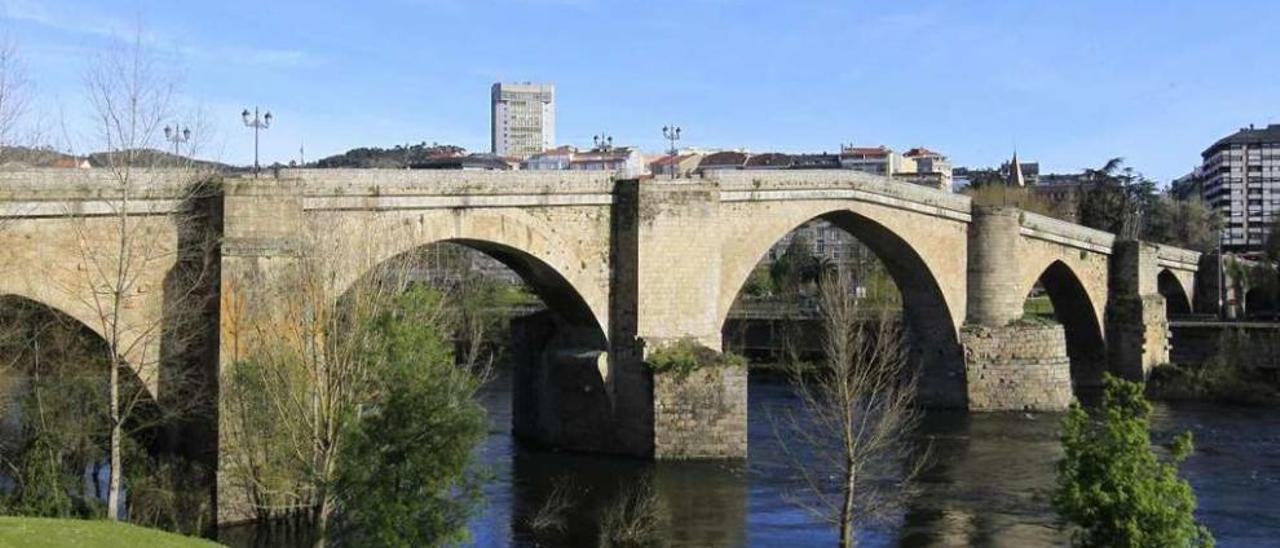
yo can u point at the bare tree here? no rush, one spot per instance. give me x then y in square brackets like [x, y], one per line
[15, 91]
[310, 363]
[145, 262]
[857, 418]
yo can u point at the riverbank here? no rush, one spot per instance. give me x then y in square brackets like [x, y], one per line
[1214, 381]
[43, 532]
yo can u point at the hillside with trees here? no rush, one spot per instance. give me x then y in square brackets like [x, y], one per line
[396, 157]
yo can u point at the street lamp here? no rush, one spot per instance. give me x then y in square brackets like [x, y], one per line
[258, 124]
[672, 134]
[177, 135]
[603, 142]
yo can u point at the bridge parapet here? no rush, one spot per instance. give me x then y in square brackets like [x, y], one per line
[827, 184]
[1066, 233]
[51, 192]
[1177, 258]
[401, 182]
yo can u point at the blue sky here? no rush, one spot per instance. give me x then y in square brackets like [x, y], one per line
[1068, 83]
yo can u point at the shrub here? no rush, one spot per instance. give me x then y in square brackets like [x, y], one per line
[688, 355]
[636, 518]
[1112, 488]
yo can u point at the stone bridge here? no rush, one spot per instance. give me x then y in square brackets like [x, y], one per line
[628, 266]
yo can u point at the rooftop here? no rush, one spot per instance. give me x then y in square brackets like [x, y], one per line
[1248, 136]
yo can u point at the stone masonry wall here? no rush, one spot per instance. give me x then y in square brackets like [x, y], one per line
[1017, 367]
[701, 415]
[1196, 343]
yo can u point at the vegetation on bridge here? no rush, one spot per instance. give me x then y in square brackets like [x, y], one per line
[687, 355]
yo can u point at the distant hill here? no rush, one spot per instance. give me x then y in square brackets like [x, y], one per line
[18, 157]
[156, 158]
[398, 156]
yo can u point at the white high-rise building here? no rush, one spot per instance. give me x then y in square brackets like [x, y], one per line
[1240, 178]
[524, 119]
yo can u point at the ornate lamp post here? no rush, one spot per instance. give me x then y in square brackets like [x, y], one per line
[603, 142]
[672, 134]
[258, 124]
[177, 135]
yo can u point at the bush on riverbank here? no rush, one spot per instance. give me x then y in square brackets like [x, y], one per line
[1112, 489]
[1227, 377]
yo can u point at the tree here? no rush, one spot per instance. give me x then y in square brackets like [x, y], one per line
[1112, 488]
[858, 416]
[14, 92]
[316, 411]
[51, 378]
[1185, 223]
[1115, 198]
[122, 251]
[1271, 250]
[403, 477]
[795, 268]
[983, 178]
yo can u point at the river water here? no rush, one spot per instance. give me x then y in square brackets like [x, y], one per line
[987, 484]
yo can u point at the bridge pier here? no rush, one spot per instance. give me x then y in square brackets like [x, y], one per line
[666, 288]
[1137, 329]
[1009, 364]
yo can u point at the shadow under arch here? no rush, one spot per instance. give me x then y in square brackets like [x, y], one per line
[41, 340]
[561, 393]
[1073, 308]
[931, 334]
[1175, 296]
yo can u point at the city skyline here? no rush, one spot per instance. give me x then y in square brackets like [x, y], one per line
[1069, 86]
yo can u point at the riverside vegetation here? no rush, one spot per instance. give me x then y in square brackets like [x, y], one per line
[1112, 490]
[1226, 377]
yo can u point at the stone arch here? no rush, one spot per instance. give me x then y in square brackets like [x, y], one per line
[929, 319]
[562, 378]
[1176, 299]
[1258, 303]
[1089, 270]
[71, 320]
[1076, 311]
[574, 286]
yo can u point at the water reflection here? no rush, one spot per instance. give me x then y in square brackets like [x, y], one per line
[988, 484]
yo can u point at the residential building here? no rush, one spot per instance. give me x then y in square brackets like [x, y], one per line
[624, 161]
[554, 159]
[1188, 187]
[1240, 178]
[727, 159]
[523, 119]
[1062, 192]
[768, 161]
[1030, 171]
[931, 168]
[679, 165]
[878, 160]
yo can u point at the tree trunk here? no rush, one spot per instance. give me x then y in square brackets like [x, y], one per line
[113, 493]
[113, 486]
[322, 521]
[847, 536]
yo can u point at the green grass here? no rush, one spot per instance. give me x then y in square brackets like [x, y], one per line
[41, 532]
[1038, 306]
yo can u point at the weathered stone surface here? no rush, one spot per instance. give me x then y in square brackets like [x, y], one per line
[1193, 343]
[1017, 367]
[1137, 327]
[701, 415]
[635, 263]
